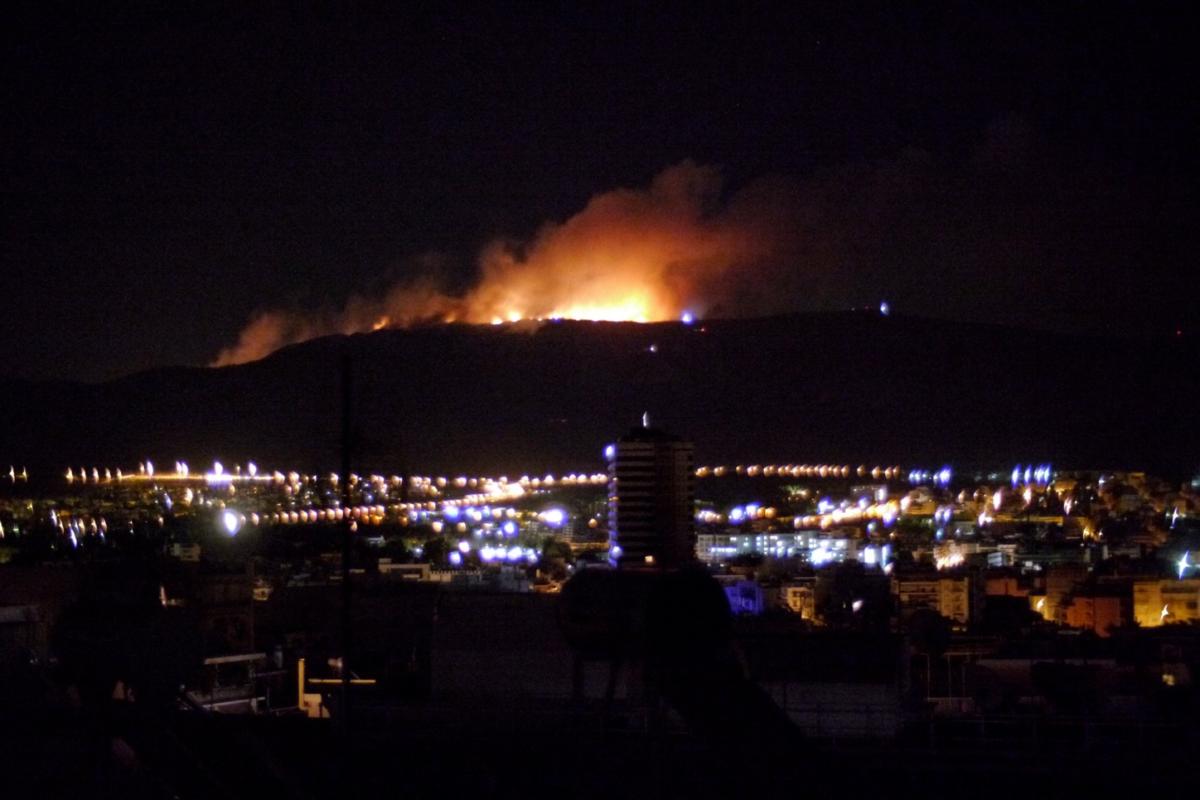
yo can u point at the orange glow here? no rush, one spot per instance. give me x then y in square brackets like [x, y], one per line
[637, 255]
[635, 308]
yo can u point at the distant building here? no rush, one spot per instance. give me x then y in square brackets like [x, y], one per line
[948, 595]
[405, 572]
[1162, 601]
[1061, 580]
[225, 602]
[745, 596]
[800, 598]
[1097, 611]
[186, 552]
[816, 547]
[32, 601]
[1005, 583]
[19, 633]
[1128, 502]
[650, 495]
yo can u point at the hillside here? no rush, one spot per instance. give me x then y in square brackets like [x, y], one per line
[847, 387]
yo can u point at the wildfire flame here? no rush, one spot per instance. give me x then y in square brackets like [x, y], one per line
[640, 255]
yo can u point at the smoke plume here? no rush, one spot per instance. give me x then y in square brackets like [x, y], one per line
[1004, 233]
[631, 254]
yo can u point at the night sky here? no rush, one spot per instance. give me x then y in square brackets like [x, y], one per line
[169, 173]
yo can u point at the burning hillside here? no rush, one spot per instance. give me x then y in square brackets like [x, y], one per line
[676, 247]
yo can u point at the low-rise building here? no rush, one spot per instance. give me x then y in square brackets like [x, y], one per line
[1098, 611]
[745, 596]
[1162, 601]
[800, 598]
[948, 595]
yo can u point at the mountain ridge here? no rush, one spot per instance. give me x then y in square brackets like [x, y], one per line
[844, 387]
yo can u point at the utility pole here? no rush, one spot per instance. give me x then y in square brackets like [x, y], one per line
[347, 535]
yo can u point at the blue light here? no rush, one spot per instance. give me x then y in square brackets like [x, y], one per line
[687, 318]
[821, 555]
[450, 512]
[509, 528]
[736, 514]
[456, 558]
[554, 517]
[231, 522]
[884, 308]
[610, 452]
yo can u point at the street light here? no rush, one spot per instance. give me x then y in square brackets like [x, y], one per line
[231, 522]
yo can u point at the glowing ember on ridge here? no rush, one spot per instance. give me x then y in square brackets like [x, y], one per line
[672, 249]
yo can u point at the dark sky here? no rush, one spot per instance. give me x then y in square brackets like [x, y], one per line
[169, 172]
